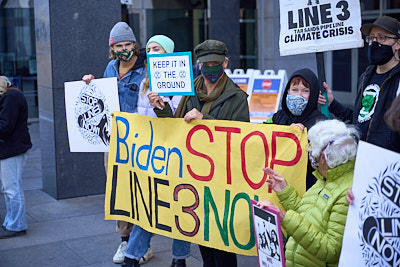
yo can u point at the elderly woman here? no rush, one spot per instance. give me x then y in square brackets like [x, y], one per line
[315, 222]
[216, 97]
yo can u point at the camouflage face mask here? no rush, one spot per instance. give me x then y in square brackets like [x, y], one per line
[125, 55]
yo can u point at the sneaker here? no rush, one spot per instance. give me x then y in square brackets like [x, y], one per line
[120, 254]
[149, 254]
[4, 233]
[178, 263]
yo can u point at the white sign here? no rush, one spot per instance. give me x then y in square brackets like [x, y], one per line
[372, 233]
[88, 109]
[309, 26]
[171, 74]
[268, 235]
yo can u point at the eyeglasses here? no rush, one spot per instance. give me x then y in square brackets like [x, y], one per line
[380, 38]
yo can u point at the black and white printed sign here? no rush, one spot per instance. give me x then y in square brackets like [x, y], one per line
[268, 235]
[309, 26]
[372, 233]
[88, 109]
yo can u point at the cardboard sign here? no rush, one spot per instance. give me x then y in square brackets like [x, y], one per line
[372, 233]
[171, 74]
[194, 181]
[309, 26]
[268, 235]
[88, 109]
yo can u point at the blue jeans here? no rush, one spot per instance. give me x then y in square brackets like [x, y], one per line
[139, 242]
[11, 186]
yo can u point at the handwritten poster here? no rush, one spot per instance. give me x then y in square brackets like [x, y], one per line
[194, 181]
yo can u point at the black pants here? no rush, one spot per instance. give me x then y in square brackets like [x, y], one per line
[217, 258]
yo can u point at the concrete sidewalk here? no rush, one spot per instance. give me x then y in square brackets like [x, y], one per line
[73, 232]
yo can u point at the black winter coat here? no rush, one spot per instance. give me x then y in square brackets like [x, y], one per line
[14, 133]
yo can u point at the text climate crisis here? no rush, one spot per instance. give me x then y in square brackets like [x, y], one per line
[158, 159]
[316, 22]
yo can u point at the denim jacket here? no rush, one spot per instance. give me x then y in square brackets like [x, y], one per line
[128, 86]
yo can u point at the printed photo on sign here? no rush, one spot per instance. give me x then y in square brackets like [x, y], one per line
[372, 233]
[88, 110]
[309, 26]
[268, 235]
[171, 73]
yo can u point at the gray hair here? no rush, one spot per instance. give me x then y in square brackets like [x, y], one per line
[4, 84]
[337, 140]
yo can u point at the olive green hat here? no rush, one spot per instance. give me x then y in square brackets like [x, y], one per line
[211, 50]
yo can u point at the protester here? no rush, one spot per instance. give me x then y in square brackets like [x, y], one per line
[139, 250]
[377, 86]
[300, 107]
[15, 141]
[316, 221]
[157, 44]
[127, 65]
[216, 97]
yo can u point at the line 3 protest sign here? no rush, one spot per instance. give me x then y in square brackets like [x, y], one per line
[194, 181]
[372, 233]
[309, 26]
[171, 74]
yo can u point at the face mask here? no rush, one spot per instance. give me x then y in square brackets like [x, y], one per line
[125, 55]
[296, 104]
[314, 162]
[212, 73]
[379, 54]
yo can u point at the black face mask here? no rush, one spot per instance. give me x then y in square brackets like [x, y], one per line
[379, 54]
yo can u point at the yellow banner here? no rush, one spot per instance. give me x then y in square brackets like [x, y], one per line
[194, 181]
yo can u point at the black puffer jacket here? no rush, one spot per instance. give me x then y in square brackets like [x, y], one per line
[14, 134]
[311, 114]
[378, 133]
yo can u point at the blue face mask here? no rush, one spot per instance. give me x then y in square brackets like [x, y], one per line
[296, 104]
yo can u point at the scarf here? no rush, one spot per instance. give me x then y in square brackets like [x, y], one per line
[201, 93]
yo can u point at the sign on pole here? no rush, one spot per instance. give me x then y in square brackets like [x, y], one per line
[309, 26]
[372, 233]
[268, 235]
[171, 74]
[88, 109]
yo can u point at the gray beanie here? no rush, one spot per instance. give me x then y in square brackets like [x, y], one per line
[121, 32]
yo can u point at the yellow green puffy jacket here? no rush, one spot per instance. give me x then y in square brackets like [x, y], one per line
[315, 222]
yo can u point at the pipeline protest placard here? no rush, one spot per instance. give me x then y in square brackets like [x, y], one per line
[372, 233]
[88, 109]
[268, 234]
[171, 73]
[194, 181]
[309, 26]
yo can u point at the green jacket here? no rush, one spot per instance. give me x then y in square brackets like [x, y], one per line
[316, 221]
[230, 105]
